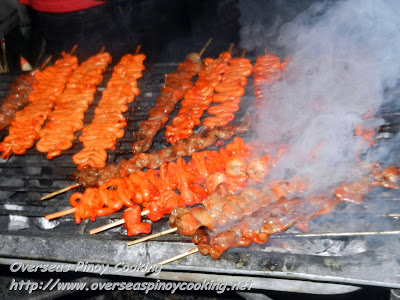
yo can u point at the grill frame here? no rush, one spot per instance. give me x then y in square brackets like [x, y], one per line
[68, 243]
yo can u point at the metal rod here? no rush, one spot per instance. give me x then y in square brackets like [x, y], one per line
[337, 234]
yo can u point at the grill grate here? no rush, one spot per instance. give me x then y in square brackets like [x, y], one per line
[26, 235]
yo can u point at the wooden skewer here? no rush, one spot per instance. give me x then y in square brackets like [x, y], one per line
[60, 191]
[73, 49]
[169, 260]
[113, 224]
[106, 227]
[60, 214]
[3, 47]
[205, 47]
[138, 49]
[244, 52]
[102, 49]
[152, 236]
[230, 47]
[45, 62]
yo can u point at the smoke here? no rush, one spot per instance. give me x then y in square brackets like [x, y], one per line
[343, 57]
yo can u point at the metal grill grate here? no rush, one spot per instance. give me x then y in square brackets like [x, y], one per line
[25, 234]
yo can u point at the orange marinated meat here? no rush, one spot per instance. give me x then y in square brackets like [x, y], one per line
[108, 122]
[228, 93]
[46, 93]
[197, 99]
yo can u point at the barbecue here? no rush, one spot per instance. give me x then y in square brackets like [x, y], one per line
[41, 185]
[211, 180]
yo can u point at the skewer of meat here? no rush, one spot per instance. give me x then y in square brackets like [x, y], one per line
[155, 190]
[108, 123]
[197, 99]
[258, 225]
[18, 96]
[267, 70]
[276, 210]
[96, 176]
[68, 114]
[228, 93]
[176, 85]
[195, 143]
[24, 129]
[194, 180]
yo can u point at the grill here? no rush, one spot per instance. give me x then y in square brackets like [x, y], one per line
[317, 264]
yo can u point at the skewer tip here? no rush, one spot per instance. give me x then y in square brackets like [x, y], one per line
[46, 62]
[244, 52]
[230, 47]
[59, 191]
[73, 49]
[60, 214]
[138, 49]
[205, 46]
[177, 257]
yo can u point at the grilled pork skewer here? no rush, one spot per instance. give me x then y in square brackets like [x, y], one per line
[197, 142]
[155, 189]
[25, 127]
[108, 122]
[174, 89]
[197, 99]
[95, 176]
[68, 114]
[18, 96]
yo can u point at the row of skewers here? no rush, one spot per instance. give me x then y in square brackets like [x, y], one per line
[223, 186]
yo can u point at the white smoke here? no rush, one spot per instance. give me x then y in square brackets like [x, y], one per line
[344, 55]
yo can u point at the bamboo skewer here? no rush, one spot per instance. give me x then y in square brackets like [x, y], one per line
[60, 214]
[230, 48]
[152, 236]
[244, 52]
[205, 47]
[106, 227]
[169, 260]
[60, 191]
[45, 62]
[113, 224]
[73, 49]
[138, 49]
[3, 47]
